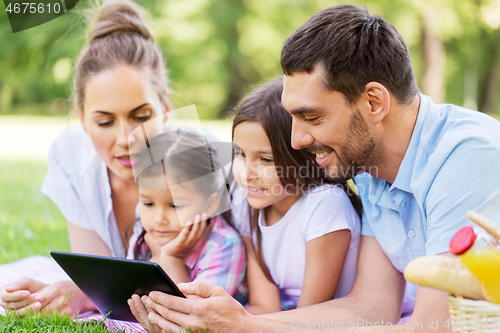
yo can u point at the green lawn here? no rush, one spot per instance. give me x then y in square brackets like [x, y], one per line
[51, 323]
[31, 224]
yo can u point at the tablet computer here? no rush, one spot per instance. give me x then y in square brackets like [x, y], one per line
[110, 282]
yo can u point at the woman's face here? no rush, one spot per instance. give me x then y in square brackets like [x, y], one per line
[116, 102]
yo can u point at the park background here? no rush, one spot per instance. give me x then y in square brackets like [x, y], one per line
[216, 51]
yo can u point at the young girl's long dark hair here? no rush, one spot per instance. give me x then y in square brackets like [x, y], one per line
[295, 167]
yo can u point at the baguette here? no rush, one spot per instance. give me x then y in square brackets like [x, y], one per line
[444, 273]
[485, 223]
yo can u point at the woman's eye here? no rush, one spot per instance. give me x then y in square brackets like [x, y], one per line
[104, 123]
[176, 206]
[143, 116]
[267, 160]
[238, 153]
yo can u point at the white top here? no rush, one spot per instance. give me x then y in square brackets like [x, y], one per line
[77, 182]
[324, 210]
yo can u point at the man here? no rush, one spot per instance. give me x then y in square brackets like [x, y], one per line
[350, 89]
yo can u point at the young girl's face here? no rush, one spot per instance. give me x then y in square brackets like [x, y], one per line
[253, 166]
[165, 211]
[116, 102]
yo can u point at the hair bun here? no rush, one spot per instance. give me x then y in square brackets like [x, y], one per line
[119, 17]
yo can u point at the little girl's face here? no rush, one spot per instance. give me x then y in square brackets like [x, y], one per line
[253, 166]
[165, 211]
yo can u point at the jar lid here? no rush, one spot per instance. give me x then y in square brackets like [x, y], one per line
[462, 240]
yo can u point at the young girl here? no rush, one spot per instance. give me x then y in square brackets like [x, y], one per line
[180, 200]
[301, 234]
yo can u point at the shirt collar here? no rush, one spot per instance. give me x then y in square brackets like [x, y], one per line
[192, 258]
[405, 171]
[403, 178]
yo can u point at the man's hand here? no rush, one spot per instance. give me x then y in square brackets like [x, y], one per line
[141, 311]
[214, 310]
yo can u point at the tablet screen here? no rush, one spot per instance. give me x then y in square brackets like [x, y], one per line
[110, 282]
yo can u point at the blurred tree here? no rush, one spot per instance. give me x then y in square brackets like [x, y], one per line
[217, 49]
[434, 57]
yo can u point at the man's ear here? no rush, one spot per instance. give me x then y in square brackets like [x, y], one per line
[378, 102]
[79, 111]
[213, 204]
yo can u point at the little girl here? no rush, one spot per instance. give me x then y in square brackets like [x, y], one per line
[301, 234]
[179, 186]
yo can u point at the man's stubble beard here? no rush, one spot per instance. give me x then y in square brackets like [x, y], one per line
[356, 150]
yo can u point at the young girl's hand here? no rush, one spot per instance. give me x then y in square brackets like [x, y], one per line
[187, 238]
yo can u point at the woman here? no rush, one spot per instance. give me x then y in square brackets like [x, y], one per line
[119, 84]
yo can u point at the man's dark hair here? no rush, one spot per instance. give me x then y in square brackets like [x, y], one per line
[353, 48]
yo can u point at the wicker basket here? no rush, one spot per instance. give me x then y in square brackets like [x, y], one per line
[473, 316]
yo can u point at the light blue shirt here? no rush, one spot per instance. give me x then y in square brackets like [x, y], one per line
[451, 166]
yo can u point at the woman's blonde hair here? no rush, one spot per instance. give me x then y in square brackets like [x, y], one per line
[117, 37]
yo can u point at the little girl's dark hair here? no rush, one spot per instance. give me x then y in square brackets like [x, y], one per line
[294, 167]
[181, 155]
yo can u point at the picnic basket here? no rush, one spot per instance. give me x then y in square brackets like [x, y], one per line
[467, 315]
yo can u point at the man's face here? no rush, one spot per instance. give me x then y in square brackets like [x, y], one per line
[325, 124]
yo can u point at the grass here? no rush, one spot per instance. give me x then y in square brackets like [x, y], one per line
[40, 322]
[53, 323]
[31, 224]
[48, 323]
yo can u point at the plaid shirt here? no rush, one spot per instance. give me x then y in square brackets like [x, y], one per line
[218, 258]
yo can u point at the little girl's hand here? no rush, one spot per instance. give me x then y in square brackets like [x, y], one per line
[187, 238]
